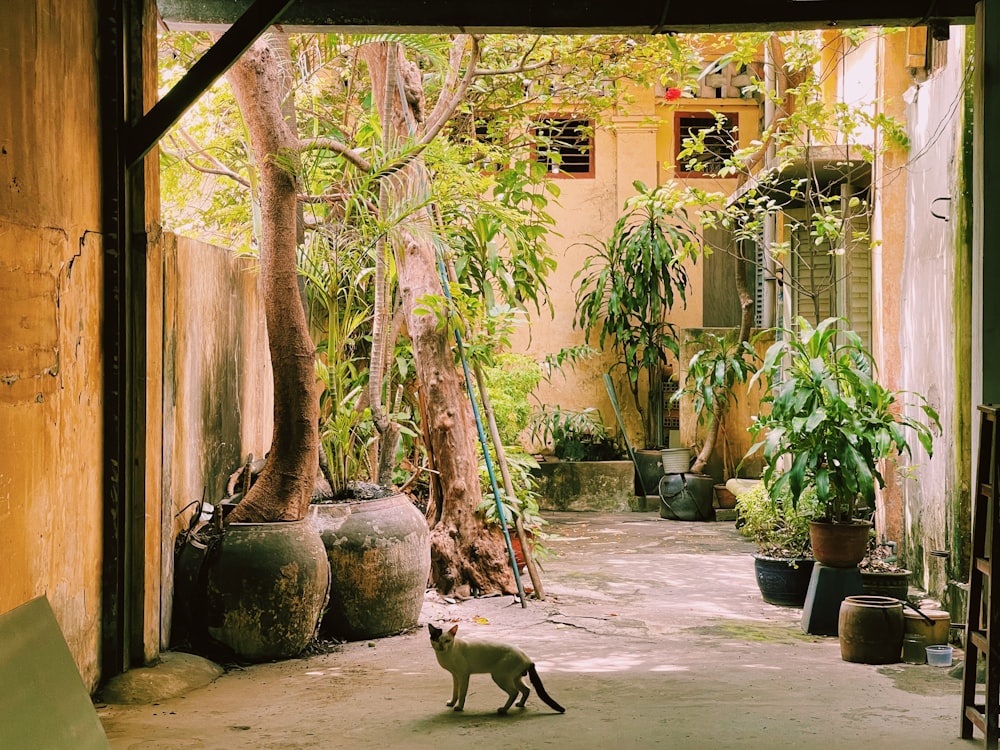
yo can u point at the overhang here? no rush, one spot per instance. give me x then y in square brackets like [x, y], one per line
[574, 16]
[828, 168]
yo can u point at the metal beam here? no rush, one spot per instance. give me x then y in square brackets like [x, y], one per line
[569, 16]
[216, 61]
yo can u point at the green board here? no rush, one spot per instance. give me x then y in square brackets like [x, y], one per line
[43, 702]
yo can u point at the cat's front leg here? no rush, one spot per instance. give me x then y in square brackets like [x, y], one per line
[454, 692]
[459, 691]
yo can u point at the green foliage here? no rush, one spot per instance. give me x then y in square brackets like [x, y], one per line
[576, 434]
[831, 418]
[510, 380]
[523, 505]
[777, 524]
[632, 279]
[713, 371]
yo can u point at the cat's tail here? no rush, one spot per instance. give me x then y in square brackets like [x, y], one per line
[540, 689]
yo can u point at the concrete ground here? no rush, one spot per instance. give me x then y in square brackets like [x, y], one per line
[653, 635]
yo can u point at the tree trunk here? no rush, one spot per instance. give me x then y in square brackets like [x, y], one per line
[283, 490]
[467, 556]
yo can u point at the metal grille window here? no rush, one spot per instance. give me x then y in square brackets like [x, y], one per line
[720, 135]
[565, 146]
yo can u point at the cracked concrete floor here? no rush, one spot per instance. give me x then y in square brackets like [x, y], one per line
[653, 635]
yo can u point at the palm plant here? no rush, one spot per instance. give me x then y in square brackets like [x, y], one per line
[720, 363]
[629, 283]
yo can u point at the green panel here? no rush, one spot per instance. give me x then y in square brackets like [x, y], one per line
[44, 704]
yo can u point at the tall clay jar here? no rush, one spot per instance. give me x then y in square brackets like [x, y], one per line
[267, 584]
[380, 559]
[871, 629]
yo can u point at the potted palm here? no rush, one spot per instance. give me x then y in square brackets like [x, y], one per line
[628, 285]
[832, 423]
[719, 364]
[779, 527]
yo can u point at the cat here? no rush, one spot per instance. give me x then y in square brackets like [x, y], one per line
[505, 664]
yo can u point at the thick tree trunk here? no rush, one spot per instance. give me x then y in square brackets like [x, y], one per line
[283, 490]
[467, 556]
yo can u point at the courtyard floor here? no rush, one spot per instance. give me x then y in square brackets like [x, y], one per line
[653, 635]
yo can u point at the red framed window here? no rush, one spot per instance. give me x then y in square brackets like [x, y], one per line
[719, 140]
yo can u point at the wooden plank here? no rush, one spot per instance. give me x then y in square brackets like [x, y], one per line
[44, 704]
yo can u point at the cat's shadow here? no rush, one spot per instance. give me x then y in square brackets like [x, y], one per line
[447, 717]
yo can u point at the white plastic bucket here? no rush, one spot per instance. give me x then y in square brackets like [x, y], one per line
[675, 460]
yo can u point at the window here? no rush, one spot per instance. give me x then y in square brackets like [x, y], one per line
[718, 141]
[828, 283]
[565, 146]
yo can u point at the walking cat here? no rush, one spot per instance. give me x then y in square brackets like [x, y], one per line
[505, 664]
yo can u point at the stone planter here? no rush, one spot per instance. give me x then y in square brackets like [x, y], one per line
[586, 485]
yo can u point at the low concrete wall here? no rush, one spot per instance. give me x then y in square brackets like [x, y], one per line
[587, 485]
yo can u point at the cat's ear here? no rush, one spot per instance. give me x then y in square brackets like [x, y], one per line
[435, 632]
[454, 630]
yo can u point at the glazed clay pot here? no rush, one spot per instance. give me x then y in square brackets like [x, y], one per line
[871, 629]
[781, 580]
[266, 586]
[380, 558]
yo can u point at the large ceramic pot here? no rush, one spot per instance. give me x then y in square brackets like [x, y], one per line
[781, 580]
[380, 558]
[649, 469]
[871, 629]
[839, 545]
[266, 586]
[687, 497]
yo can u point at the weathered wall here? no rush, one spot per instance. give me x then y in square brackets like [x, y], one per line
[933, 312]
[50, 284]
[217, 390]
[639, 147]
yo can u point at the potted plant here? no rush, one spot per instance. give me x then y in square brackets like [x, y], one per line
[881, 575]
[779, 527]
[628, 285]
[720, 362]
[833, 424]
[575, 434]
[522, 505]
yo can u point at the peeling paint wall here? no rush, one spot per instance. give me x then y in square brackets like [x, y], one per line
[217, 389]
[932, 315]
[50, 287]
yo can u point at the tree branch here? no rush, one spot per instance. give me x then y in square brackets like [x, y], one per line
[217, 168]
[445, 108]
[330, 144]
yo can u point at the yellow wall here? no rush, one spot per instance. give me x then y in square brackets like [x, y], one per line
[50, 282]
[639, 146]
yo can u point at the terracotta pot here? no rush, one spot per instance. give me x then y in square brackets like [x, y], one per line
[724, 499]
[839, 545]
